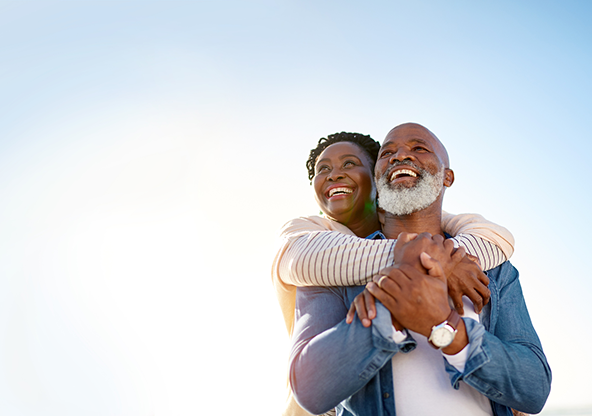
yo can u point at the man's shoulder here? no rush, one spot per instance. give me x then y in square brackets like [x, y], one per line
[504, 273]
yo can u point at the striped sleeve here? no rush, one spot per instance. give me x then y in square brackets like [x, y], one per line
[489, 255]
[477, 226]
[315, 251]
[330, 258]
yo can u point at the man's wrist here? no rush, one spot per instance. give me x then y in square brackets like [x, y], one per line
[443, 334]
[461, 340]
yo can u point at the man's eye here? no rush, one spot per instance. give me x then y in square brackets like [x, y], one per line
[386, 153]
[420, 149]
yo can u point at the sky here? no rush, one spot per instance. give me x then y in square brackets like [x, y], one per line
[150, 152]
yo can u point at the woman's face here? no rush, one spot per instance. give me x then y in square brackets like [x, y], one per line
[344, 183]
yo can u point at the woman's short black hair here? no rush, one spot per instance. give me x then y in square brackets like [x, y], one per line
[367, 143]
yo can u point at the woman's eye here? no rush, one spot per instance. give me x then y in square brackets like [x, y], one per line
[322, 168]
[349, 163]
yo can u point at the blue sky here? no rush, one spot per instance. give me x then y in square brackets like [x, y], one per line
[150, 151]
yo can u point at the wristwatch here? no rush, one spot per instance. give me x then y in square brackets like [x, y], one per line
[442, 335]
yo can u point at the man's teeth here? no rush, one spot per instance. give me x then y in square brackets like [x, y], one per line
[339, 191]
[402, 172]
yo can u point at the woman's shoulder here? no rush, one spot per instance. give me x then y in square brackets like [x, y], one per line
[311, 224]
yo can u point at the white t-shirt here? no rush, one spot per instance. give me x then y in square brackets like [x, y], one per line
[422, 386]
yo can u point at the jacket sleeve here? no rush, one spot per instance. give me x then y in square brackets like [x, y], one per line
[331, 360]
[506, 363]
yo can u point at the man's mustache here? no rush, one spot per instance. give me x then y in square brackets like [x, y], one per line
[398, 163]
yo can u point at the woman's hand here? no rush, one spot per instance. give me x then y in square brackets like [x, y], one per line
[364, 306]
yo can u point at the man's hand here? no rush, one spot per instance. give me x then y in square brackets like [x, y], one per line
[410, 246]
[416, 300]
[463, 274]
[468, 279]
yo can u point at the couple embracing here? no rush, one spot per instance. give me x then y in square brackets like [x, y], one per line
[393, 306]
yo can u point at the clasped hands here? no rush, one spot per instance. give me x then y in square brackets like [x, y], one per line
[427, 271]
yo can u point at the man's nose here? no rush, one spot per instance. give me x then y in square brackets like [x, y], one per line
[401, 155]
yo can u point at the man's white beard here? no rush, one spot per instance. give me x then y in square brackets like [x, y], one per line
[399, 200]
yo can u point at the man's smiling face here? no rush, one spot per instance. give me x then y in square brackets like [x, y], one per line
[411, 170]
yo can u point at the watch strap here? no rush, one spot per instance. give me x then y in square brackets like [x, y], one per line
[453, 319]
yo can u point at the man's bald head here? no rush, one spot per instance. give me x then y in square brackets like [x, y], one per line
[419, 131]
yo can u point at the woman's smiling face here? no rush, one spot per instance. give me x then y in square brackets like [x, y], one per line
[344, 183]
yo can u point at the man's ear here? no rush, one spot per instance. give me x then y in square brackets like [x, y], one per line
[448, 177]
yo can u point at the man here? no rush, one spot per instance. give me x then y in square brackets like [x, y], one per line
[486, 364]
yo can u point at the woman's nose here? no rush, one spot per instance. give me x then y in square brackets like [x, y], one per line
[335, 174]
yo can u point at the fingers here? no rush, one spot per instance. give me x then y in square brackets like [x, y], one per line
[475, 259]
[484, 295]
[438, 239]
[364, 306]
[457, 302]
[349, 318]
[483, 278]
[404, 238]
[477, 300]
[370, 304]
[391, 273]
[380, 280]
[388, 301]
[433, 266]
[480, 293]
[458, 254]
[385, 272]
[358, 306]
[449, 246]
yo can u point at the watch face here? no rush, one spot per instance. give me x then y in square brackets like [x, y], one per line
[442, 337]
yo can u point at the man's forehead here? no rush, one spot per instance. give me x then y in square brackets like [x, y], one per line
[411, 132]
[407, 139]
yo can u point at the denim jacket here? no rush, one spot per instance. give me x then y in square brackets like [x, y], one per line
[347, 366]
